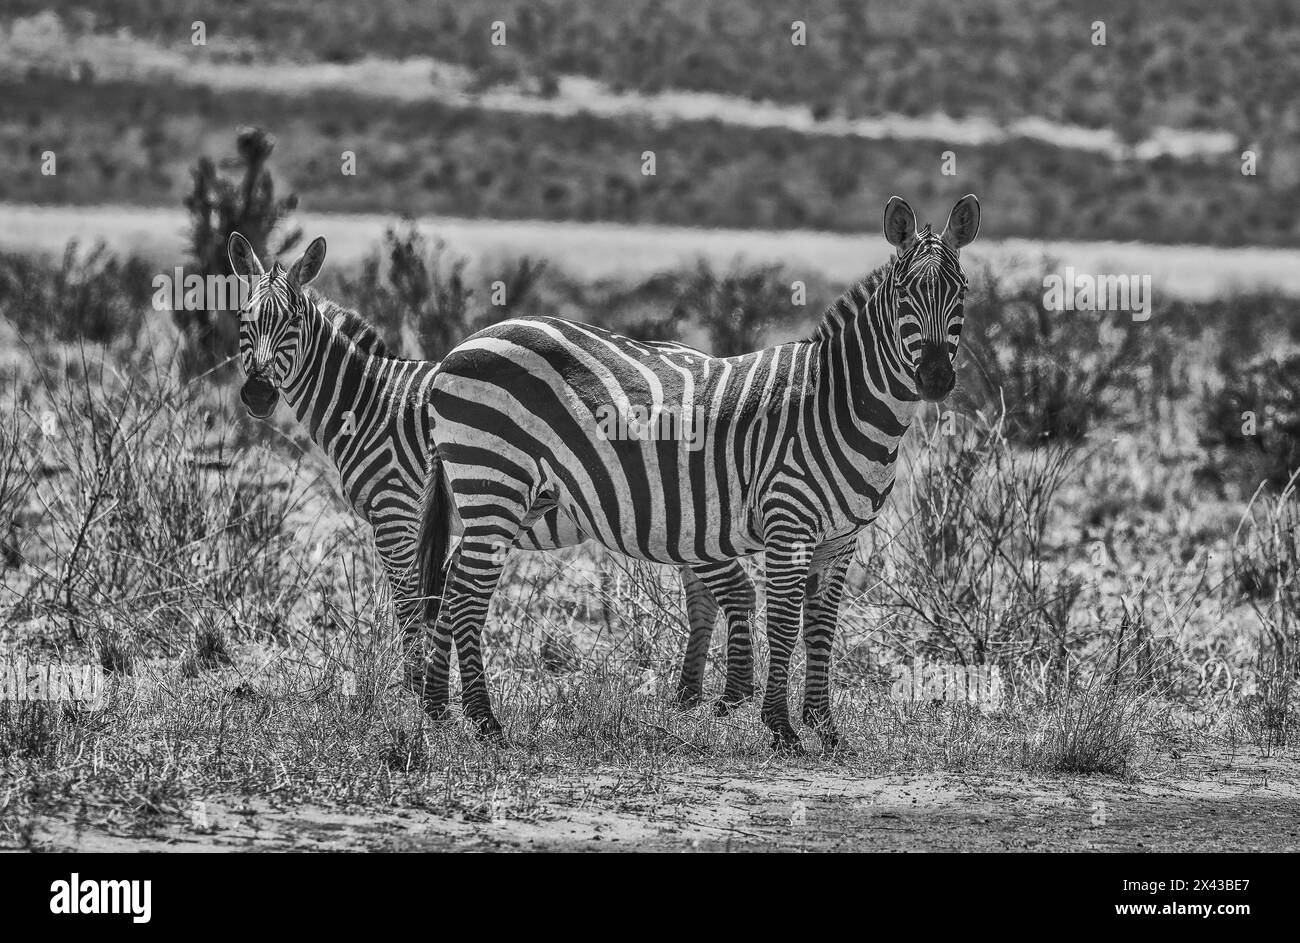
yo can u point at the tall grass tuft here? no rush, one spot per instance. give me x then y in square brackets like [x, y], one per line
[1090, 722]
[1266, 563]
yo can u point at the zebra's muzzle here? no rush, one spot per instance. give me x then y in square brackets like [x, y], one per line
[259, 397]
[935, 377]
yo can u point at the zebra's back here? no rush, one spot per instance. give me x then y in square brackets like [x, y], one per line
[655, 451]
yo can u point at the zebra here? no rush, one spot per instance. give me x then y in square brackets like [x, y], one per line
[367, 411]
[800, 443]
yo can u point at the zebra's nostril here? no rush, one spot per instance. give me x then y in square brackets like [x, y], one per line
[933, 363]
[935, 377]
[259, 396]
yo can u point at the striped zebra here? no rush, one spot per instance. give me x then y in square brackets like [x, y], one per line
[367, 411]
[791, 452]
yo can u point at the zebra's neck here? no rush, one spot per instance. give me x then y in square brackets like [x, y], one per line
[862, 362]
[357, 405]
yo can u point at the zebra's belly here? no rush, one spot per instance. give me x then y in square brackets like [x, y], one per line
[680, 526]
[558, 529]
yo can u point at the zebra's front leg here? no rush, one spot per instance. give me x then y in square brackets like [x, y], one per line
[822, 598]
[787, 574]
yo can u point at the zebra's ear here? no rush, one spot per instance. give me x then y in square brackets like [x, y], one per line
[308, 267]
[900, 224]
[963, 222]
[243, 260]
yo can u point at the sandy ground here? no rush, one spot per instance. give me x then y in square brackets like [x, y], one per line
[1213, 804]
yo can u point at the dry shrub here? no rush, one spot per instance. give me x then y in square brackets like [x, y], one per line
[1266, 565]
[967, 556]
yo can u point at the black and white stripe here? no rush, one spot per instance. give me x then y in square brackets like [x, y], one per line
[799, 444]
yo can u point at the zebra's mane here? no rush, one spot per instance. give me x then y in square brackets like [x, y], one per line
[351, 325]
[850, 304]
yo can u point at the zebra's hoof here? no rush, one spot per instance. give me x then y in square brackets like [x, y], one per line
[731, 702]
[833, 745]
[819, 721]
[488, 729]
[785, 739]
[688, 698]
[439, 714]
[785, 746]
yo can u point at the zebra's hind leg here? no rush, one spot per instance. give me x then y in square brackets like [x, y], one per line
[709, 587]
[471, 580]
[734, 591]
[821, 610]
[426, 654]
[701, 613]
[787, 562]
[427, 664]
[435, 694]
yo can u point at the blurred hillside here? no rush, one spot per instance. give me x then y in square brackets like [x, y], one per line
[1166, 65]
[1183, 63]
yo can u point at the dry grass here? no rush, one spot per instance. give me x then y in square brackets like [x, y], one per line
[246, 637]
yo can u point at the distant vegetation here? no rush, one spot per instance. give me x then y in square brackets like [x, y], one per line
[1255, 416]
[419, 298]
[1194, 65]
[1180, 63]
[88, 293]
[133, 144]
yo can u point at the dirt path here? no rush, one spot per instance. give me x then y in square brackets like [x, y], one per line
[1240, 808]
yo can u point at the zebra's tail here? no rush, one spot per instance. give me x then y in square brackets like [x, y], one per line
[435, 538]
